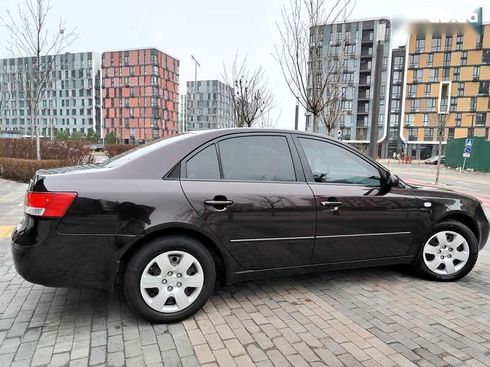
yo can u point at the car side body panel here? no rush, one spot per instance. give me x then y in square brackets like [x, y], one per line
[119, 206]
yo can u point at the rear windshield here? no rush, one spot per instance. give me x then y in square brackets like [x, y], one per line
[142, 150]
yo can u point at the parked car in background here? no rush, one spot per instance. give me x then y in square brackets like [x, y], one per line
[169, 219]
[433, 160]
[97, 147]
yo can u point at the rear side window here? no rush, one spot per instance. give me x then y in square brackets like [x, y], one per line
[257, 158]
[204, 165]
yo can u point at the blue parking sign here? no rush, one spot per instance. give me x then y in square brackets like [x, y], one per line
[468, 145]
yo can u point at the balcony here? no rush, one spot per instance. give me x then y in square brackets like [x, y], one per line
[364, 95]
[365, 68]
[365, 82]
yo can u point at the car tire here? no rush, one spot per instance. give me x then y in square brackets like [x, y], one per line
[171, 253]
[450, 242]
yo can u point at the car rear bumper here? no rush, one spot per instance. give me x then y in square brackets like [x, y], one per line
[43, 256]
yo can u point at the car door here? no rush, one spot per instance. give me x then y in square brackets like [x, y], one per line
[251, 192]
[358, 218]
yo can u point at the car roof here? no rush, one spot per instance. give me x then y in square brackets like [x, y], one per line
[251, 130]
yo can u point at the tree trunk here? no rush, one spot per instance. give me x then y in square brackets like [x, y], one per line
[38, 143]
[315, 123]
[439, 152]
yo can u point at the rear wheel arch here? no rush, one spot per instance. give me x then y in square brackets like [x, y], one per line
[207, 242]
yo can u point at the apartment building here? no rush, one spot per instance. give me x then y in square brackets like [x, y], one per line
[209, 105]
[355, 43]
[447, 82]
[139, 94]
[394, 141]
[70, 102]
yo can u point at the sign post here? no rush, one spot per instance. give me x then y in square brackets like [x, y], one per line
[468, 145]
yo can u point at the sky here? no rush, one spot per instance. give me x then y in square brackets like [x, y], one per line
[215, 30]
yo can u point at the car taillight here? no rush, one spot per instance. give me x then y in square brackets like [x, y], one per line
[48, 204]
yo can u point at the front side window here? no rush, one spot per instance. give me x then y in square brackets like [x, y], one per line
[331, 163]
[257, 158]
[204, 165]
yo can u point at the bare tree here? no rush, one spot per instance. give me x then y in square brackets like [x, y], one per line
[334, 111]
[29, 36]
[302, 54]
[439, 120]
[251, 98]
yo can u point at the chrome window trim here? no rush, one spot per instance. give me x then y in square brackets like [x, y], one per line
[317, 237]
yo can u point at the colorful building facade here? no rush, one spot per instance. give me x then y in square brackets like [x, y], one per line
[139, 95]
[447, 83]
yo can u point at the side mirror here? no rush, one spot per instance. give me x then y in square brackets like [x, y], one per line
[393, 180]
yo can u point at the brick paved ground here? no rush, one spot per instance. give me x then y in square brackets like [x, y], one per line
[368, 317]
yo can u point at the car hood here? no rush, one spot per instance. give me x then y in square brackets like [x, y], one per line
[439, 192]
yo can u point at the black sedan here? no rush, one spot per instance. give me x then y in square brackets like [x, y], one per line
[170, 219]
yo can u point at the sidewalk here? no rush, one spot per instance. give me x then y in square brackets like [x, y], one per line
[367, 317]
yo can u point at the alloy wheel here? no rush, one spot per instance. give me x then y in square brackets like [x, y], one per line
[171, 281]
[446, 252]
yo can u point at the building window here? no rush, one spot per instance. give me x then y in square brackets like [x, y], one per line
[457, 119]
[427, 88]
[479, 39]
[411, 90]
[460, 89]
[425, 119]
[473, 104]
[450, 133]
[417, 76]
[449, 42]
[396, 91]
[483, 88]
[456, 73]
[414, 61]
[433, 75]
[485, 57]
[464, 57]
[447, 59]
[412, 133]
[459, 42]
[409, 119]
[481, 119]
[436, 44]
[428, 134]
[415, 105]
[420, 45]
[454, 103]
[430, 60]
[398, 62]
[430, 104]
[445, 74]
[476, 72]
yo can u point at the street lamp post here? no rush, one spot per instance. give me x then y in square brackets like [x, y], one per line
[196, 64]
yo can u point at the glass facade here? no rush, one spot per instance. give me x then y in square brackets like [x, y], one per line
[69, 100]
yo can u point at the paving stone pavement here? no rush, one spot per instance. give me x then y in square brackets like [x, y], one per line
[369, 317]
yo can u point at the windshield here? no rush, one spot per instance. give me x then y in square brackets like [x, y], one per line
[141, 150]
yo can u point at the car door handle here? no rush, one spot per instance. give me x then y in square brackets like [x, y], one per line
[218, 202]
[332, 205]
